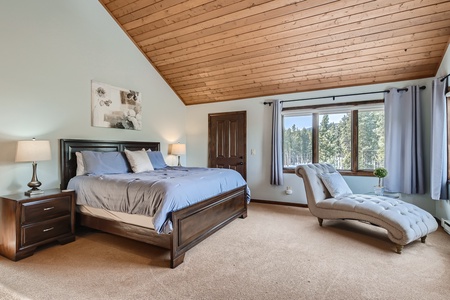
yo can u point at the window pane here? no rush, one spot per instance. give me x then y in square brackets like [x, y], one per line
[297, 140]
[370, 139]
[335, 140]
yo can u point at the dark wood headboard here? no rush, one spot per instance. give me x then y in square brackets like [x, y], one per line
[68, 160]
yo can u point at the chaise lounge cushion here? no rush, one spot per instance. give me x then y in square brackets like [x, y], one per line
[335, 184]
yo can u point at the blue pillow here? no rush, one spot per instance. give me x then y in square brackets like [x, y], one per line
[98, 163]
[157, 159]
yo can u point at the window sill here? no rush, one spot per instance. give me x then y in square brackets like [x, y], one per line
[343, 173]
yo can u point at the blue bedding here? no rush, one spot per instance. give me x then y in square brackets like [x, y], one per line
[155, 193]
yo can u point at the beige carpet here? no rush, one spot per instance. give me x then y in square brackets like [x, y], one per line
[276, 253]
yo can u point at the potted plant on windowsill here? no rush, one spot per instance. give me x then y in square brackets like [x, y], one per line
[380, 173]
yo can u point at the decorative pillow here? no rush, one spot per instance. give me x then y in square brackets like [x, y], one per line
[335, 184]
[98, 163]
[156, 159]
[139, 161]
[80, 164]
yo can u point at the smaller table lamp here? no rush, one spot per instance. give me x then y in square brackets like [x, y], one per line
[178, 149]
[33, 151]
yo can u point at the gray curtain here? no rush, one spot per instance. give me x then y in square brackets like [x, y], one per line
[276, 170]
[439, 140]
[403, 153]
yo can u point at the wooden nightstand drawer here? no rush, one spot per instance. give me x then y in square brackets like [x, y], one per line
[45, 230]
[46, 209]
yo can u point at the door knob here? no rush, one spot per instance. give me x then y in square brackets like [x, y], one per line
[241, 163]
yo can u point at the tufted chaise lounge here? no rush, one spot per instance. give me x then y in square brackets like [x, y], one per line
[403, 221]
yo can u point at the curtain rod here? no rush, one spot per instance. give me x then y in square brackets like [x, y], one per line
[346, 95]
[445, 77]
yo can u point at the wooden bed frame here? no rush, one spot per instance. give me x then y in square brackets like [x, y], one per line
[191, 225]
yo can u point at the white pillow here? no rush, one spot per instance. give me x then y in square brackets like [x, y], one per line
[80, 164]
[139, 161]
[335, 184]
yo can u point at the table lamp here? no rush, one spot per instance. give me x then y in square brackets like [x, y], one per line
[178, 149]
[33, 151]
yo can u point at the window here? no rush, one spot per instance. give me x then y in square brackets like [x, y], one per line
[351, 138]
[335, 140]
[370, 139]
[297, 140]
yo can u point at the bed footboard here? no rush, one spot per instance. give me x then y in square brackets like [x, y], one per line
[134, 232]
[195, 223]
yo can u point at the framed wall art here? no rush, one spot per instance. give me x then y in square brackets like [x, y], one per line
[115, 107]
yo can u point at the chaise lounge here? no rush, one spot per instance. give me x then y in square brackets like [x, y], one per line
[329, 197]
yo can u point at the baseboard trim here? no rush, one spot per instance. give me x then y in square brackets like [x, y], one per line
[279, 203]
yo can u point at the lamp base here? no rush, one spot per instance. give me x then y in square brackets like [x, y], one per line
[34, 184]
[33, 192]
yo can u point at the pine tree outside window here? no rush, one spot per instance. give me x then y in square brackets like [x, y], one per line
[370, 139]
[335, 137]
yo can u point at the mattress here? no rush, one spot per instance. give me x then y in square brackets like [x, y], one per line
[139, 220]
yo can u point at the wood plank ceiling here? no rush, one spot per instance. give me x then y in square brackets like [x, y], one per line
[219, 50]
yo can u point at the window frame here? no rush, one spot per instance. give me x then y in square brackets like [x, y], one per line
[354, 133]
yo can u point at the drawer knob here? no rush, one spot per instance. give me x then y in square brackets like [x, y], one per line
[49, 208]
[47, 229]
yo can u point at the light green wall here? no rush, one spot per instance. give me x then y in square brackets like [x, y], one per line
[50, 51]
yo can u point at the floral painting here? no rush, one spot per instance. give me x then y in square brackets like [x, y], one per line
[115, 107]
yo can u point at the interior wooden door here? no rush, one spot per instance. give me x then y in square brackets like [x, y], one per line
[227, 145]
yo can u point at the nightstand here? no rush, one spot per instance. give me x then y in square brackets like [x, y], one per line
[27, 222]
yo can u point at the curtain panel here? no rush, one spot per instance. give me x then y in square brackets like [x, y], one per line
[276, 170]
[439, 140]
[403, 147]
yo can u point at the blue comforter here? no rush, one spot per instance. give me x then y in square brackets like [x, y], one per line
[156, 193]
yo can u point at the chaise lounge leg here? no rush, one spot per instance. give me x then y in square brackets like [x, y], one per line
[320, 221]
[399, 248]
[422, 239]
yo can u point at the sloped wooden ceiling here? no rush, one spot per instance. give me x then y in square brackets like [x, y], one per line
[218, 50]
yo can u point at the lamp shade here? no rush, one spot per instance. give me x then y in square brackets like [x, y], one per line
[33, 151]
[178, 149]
